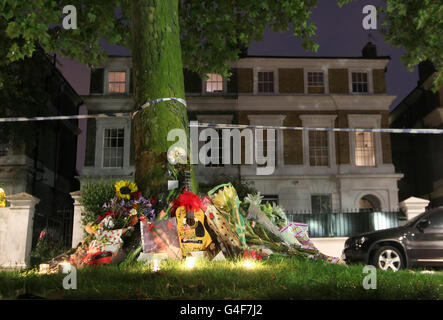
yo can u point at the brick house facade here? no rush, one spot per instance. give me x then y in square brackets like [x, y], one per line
[330, 171]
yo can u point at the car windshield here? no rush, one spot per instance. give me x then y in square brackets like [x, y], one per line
[415, 219]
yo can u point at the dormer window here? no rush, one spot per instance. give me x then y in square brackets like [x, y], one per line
[117, 82]
[360, 82]
[316, 82]
[266, 82]
[214, 84]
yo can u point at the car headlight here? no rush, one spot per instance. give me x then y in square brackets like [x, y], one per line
[360, 240]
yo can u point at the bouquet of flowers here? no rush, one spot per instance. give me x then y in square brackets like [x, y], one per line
[225, 199]
[126, 208]
[274, 212]
[122, 212]
[178, 172]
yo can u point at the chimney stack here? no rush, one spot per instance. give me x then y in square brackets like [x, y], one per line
[369, 50]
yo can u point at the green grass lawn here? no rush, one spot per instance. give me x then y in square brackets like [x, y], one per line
[276, 278]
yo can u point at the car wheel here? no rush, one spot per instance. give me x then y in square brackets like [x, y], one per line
[388, 258]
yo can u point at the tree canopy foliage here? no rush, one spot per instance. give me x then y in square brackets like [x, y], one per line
[417, 26]
[213, 32]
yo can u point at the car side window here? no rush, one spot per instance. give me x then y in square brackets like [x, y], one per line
[436, 220]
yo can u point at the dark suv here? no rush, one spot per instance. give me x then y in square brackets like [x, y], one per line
[417, 243]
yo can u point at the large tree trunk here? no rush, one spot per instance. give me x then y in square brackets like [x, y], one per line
[158, 73]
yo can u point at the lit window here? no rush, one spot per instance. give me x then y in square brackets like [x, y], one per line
[321, 203]
[266, 82]
[316, 82]
[215, 83]
[113, 148]
[364, 149]
[117, 82]
[359, 82]
[318, 148]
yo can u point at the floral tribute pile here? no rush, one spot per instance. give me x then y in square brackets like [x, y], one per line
[214, 226]
[262, 230]
[104, 241]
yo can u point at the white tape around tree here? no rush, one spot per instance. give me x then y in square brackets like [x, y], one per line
[150, 103]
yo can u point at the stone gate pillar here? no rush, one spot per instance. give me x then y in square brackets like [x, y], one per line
[77, 225]
[414, 206]
[16, 222]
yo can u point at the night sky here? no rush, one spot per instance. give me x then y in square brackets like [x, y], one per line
[339, 33]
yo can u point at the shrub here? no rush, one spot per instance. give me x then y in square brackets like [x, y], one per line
[94, 195]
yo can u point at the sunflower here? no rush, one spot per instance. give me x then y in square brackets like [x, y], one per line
[123, 189]
[2, 198]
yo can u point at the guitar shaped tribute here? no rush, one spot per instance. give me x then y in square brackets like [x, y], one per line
[191, 229]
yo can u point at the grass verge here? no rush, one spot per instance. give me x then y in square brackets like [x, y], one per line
[275, 278]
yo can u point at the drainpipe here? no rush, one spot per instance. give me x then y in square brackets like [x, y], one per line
[56, 166]
[36, 154]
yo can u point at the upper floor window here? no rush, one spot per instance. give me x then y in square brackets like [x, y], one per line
[316, 82]
[113, 148]
[214, 84]
[117, 82]
[364, 149]
[360, 82]
[266, 82]
[318, 148]
[321, 203]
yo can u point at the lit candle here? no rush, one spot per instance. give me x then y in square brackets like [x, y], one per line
[43, 268]
[155, 265]
[64, 267]
[248, 264]
[190, 262]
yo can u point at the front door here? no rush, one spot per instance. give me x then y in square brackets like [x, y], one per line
[426, 240]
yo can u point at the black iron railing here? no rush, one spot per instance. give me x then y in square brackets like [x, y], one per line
[346, 224]
[58, 227]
